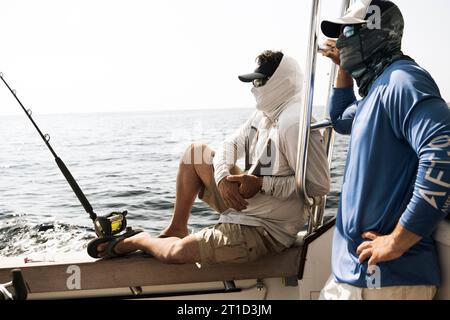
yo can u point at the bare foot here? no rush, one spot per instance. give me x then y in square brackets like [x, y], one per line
[171, 231]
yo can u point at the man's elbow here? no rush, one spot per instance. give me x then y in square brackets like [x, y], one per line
[343, 127]
[319, 188]
[325, 185]
[324, 189]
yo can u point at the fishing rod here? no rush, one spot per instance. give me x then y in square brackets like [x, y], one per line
[109, 225]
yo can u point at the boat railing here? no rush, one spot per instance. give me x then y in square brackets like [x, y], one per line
[316, 206]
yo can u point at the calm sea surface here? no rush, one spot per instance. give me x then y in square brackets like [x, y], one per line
[122, 161]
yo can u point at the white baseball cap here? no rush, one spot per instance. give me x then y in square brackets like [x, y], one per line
[356, 14]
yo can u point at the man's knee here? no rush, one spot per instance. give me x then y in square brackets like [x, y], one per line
[197, 154]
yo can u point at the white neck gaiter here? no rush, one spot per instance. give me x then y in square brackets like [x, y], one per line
[283, 87]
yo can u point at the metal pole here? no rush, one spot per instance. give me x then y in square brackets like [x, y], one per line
[329, 134]
[317, 209]
[306, 111]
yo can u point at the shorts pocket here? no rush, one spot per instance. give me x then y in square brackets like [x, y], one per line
[229, 244]
[254, 242]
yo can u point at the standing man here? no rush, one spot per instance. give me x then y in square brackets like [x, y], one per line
[397, 178]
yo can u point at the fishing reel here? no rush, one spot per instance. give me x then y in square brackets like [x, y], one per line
[110, 225]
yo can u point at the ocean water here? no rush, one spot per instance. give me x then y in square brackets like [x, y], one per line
[122, 161]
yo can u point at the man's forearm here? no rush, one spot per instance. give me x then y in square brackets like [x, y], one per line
[232, 149]
[404, 239]
[221, 171]
[223, 161]
[386, 248]
[343, 79]
[341, 106]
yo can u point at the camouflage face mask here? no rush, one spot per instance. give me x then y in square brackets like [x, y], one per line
[366, 53]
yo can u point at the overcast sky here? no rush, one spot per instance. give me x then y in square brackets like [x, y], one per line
[107, 55]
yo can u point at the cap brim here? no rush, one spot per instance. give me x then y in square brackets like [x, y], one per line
[332, 28]
[251, 76]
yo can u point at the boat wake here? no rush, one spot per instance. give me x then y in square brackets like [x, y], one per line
[20, 237]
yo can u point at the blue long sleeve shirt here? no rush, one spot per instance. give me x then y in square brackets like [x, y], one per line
[397, 170]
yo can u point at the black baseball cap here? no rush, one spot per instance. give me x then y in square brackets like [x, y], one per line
[356, 14]
[264, 71]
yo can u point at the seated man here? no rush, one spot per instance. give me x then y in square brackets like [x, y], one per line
[260, 211]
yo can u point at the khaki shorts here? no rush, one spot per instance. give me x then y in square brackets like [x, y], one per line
[235, 243]
[231, 243]
[334, 290]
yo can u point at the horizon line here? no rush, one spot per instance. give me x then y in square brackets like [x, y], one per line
[127, 111]
[142, 111]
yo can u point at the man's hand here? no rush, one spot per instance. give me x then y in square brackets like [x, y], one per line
[386, 248]
[231, 196]
[249, 185]
[343, 78]
[332, 52]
